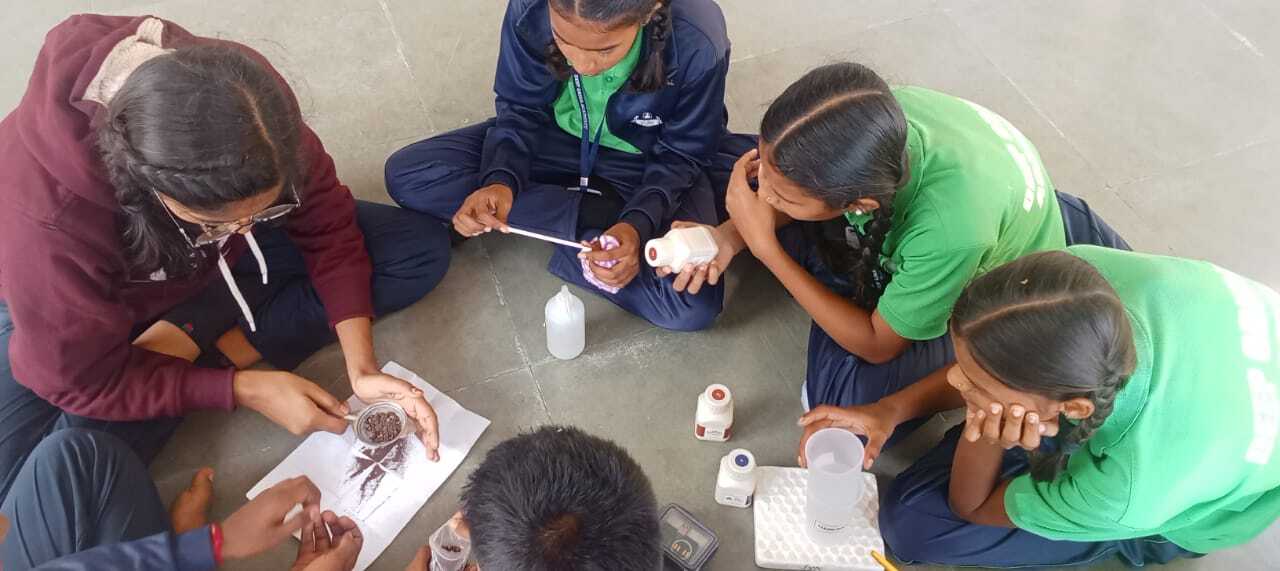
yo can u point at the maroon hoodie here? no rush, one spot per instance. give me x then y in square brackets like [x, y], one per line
[63, 271]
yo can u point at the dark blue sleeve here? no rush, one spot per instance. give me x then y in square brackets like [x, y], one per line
[524, 90]
[684, 148]
[190, 551]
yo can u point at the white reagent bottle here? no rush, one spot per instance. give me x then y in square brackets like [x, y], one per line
[682, 247]
[713, 420]
[566, 324]
[736, 482]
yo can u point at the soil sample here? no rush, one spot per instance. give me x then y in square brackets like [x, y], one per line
[382, 427]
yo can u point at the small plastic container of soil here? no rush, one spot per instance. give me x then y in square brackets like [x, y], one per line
[382, 423]
[686, 542]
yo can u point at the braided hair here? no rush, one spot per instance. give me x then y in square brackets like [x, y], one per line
[206, 126]
[651, 73]
[1050, 324]
[839, 133]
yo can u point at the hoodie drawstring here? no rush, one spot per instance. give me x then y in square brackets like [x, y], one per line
[231, 280]
[257, 253]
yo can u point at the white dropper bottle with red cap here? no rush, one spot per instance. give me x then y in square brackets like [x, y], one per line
[692, 246]
[713, 420]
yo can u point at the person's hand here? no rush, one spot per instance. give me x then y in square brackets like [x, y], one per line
[260, 524]
[331, 543]
[809, 429]
[1007, 426]
[874, 421]
[421, 560]
[755, 219]
[296, 404]
[691, 278]
[484, 210]
[626, 256]
[374, 387]
[981, 411]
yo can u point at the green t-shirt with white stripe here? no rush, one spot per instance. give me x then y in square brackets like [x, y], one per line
[1189, 450]
[978, 197]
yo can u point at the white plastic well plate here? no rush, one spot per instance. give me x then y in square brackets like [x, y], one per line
[781, 542]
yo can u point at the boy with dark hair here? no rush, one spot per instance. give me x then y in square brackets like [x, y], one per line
[558, 498]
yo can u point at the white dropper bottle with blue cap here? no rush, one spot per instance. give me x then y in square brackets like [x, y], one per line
[566, 323]
[736, 480]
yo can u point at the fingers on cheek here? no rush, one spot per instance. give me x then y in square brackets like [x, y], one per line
[973, 424]
[1034, 427]
[1012, 430]
[991, 426]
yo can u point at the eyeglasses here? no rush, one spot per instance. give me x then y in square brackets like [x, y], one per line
[215, 232]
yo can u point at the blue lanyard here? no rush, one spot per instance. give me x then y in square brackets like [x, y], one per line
[588, 149]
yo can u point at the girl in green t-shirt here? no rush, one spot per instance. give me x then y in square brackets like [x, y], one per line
[1104, 416]
[902, 196]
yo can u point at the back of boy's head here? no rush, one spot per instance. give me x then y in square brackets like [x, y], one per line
[557, 499]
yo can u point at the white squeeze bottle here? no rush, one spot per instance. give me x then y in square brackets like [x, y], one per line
[566, 322]
[681, 247]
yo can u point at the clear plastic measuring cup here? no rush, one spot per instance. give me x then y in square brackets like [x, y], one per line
[835, 484]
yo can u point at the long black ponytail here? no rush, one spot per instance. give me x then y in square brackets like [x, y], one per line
[203, 125]
[651, 73]
[1050, 324]
[839, 133]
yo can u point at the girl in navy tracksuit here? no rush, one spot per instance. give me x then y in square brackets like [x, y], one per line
[648, 76]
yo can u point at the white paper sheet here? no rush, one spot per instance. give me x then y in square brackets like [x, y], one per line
[381, 489]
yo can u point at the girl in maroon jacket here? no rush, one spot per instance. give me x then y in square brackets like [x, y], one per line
[140, 165]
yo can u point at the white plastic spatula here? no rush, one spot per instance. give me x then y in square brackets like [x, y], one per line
[546, 238]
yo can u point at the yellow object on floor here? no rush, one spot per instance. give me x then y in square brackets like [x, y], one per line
[883, 561]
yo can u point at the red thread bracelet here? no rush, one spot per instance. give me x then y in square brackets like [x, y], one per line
[215, 535]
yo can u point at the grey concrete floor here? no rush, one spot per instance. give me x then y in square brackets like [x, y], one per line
[1162, 113]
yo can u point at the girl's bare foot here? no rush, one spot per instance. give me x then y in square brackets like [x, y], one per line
[191, 509]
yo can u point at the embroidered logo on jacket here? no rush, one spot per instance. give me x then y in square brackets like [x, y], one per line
[647, 119]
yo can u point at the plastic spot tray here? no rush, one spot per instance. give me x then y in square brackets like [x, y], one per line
[781, 542]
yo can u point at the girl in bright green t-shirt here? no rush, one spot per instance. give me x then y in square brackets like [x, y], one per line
[1152, 423]
[902, 197]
